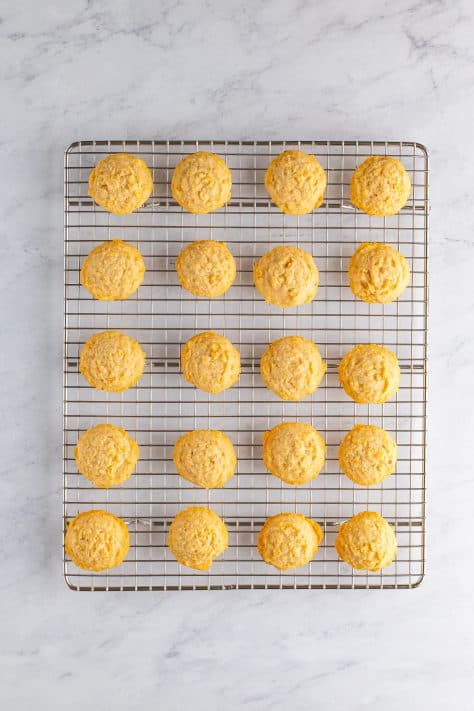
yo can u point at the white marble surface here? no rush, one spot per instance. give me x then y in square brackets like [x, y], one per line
[243, 69]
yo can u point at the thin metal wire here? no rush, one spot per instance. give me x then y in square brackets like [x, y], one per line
[162, 406]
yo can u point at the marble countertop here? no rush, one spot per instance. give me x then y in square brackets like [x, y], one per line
[184, 68]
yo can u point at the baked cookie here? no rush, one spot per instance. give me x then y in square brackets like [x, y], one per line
[120, 183]
[292, 367]
[113, 270]
[210, 362]
[366, 542]
[294, 452]
[206, 268]
[367, 455]
[205, 458]
[106, 455]
[296, 182]
[286, 276]
[96, 540]
[201, 183]
[112, 361]
[197, 536]
[378, 273]
[289, 540]
[380, 186]
[369, 374]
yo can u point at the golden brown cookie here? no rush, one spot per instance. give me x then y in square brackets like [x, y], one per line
[113, 270]
[206, 268]
[380, 186]
[378, 273]
[366, 542]
[292, 367]
[367, 455]
[286, 276]
[96, 540]
[210, 362]
[112, 361]
[369, 374]
[106, 455]
[289, 540]
[120, 183]
[197, 536]
[296, 182]
[205, 458]
[294, 452]
[201, 183]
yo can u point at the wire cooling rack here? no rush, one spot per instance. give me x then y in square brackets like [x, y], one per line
[162, 316]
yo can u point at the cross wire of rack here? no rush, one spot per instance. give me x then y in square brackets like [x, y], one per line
[162, 316]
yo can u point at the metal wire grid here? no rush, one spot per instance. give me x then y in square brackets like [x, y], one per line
[161, 316]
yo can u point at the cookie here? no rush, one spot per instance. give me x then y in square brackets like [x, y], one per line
[120, 183]
[296, 182]
[205, 458]
[106, 455]
[289, 540]
[292, 367]
[113, 270]
[380, 186]
[366, 542]
[197, 536]
[201, 183]
[378, 273]
[367, 455]
[369, 374]
[210, 362]
[286, 276]
[206, 268]
[96, 540]
[111, 361]
[294, 452]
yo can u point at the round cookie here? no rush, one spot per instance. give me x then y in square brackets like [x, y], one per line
[205, 458]
[111, 361]
[286, 276]
[106, 455]
[206, 268]
[294, 452]
[378, 273]
[210, 362]
[96, 540]
[292, 367]
[120, 183]
[380, 186]
[197, 536]
[289, 540]
[296, 182]
[201, 183]
[113, 270]
[366, 542]
[367, 455]
[369, 374]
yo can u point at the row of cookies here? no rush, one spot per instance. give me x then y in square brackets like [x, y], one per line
[202, 182]
[291, 366]
[285, 276]
[97, 540]
[294, 452]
